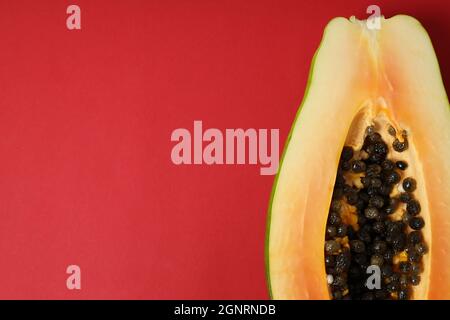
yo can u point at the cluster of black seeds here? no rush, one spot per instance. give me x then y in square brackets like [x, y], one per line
[377, 238]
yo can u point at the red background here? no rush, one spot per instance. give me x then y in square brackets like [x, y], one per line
[85, 121]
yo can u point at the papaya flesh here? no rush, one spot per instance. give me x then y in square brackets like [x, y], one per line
[363, 82]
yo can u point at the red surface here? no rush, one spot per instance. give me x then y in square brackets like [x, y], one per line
[85, 123]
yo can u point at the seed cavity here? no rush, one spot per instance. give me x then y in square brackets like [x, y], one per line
[362, 229]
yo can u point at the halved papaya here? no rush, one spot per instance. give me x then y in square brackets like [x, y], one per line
[373, 130]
